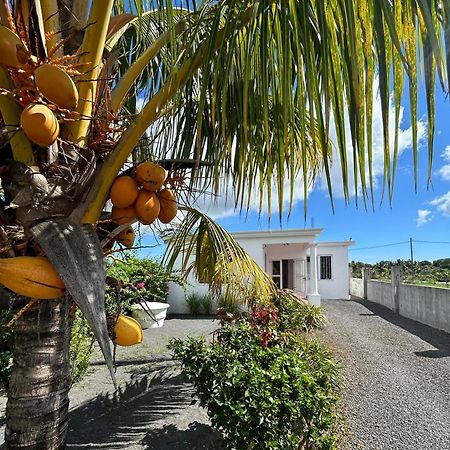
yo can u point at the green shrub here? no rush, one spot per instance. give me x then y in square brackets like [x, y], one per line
[81, 347]
[263, 393]
[135, 280]
[207, 304]
[229, 301]
[199, 303]
[194, 301]
[296, 316]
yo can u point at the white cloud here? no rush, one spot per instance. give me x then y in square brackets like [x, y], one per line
[423, 216]
[444, 171]
[442, 204]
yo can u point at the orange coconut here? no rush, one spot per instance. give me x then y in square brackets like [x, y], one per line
[126, 237]
[56, 85]
[127, 331]
[39, 124]
[8, 44]
[31, 276]
[124, 191]
[123, 215]
[147, 207]
[169, 206]
[150, 175]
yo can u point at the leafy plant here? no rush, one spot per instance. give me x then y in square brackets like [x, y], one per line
[199, 303]
[297, 316]
[263, 397]
[229, 301]
[136, 280]
[206, 302]
[194, 302]
[81, 347]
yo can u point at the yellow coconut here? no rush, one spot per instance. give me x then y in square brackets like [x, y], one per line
[169, 206]
[39, 124]
[56, 85]
[123, 215]
[127, 331]
[8, 45]
[147, 207]
[126, 237]
[150, 175]
[31, 276]
[124, 191]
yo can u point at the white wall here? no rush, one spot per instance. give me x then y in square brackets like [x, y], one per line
[338, 287]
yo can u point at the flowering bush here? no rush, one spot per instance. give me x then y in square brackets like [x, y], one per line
[136, 280]
[264, 387]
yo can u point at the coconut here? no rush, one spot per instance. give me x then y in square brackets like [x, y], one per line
[39, 124]
[8, 45]
[56, 85]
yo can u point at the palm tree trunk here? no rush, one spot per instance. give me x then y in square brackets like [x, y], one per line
[38, 402]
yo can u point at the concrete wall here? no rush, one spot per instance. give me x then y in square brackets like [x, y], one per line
[380, 292]
[425, 304]
[357, 287]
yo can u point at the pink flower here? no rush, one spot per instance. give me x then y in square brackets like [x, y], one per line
[140, 285]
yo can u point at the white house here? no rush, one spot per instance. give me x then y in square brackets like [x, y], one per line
[294, 260]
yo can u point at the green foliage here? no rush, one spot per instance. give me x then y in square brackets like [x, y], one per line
[199, 303]
[229, 301]
[263, 395]
[417, 272]
[136, 280]
[81, 347]
[296, 316]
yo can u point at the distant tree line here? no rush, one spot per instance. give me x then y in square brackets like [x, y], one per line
[429, 272]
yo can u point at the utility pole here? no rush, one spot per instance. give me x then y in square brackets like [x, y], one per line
[411, 249]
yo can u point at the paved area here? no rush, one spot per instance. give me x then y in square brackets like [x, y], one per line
[396, 393]
[152, 407]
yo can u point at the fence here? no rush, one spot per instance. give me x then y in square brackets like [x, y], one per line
[425, 304]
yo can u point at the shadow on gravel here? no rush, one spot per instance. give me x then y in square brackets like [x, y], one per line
[197, 437]
[117, 420]
[438, 339]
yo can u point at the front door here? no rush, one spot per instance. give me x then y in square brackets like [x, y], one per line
[282, 272]
[300, 276]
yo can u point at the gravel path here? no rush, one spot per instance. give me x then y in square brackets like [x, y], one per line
[397, 389]
[152, 407]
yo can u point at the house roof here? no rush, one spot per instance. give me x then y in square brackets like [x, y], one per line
[288, 233]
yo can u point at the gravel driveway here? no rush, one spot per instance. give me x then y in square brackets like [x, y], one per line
[397, 371]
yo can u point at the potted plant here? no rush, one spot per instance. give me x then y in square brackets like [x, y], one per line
[139, 287]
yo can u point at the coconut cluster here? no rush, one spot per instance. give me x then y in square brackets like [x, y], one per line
[143, 196]
[52, 89]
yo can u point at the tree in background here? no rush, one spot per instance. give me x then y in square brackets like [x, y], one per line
[243, 90]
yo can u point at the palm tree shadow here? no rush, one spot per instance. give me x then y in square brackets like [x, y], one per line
[197, 437]
[120, 419]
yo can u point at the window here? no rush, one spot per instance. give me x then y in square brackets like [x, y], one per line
[276, 273]
[325, 267]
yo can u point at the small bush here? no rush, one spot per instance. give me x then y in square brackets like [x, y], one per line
[194, 302]
[263, 390]
[81, 347]
[136, 280]
[199, 303]
[229, 302]
[207, 304]
[296, 316]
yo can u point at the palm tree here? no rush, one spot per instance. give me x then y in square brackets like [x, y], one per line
[247, 86]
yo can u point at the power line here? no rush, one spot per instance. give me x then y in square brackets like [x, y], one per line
[433, 242]
[379, 246]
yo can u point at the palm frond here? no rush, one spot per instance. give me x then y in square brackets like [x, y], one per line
[201, 245]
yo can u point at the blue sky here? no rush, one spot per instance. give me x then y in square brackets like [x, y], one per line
[423, 216]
